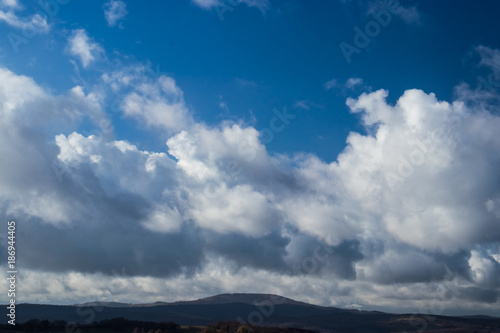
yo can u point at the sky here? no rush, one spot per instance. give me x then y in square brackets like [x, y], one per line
[343, 152]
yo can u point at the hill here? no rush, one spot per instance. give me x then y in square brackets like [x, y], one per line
[259, 309]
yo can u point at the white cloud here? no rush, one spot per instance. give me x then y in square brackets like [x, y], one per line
[485, 269]
[159, 103]
[83, 47]
[239, 209]
[164, 219]
[262, 5]
[150, 97]
[34, 24]
[114, 11]
[353, 82]
[419, 150]
[14, 4]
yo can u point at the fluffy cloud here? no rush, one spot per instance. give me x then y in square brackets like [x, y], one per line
[417, 165]
[114, 11]
[150, 97]
[413, 204]
[83, 47]
[160, 104]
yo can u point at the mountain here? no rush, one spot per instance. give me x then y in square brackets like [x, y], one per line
[261, 309]
[253, 299]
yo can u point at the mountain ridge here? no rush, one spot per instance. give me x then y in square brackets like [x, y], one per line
[267, 310]
[225, 298]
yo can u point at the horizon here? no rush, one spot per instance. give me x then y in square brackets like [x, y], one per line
[89, 305]
[103, 303]
[341, 153]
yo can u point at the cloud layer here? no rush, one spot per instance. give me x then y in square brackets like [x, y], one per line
[408, 208]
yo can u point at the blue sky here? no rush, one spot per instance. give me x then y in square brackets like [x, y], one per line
[289, 52]
[242, 134]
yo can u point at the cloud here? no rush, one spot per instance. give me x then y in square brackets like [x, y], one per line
[489, 58]
[246, 83]
[351, 84]
[152, 98]
[306, 105]
[206, 4]
[114, 11]
[262, 5]
[330, 84]
[14, 4]
[83, 47]
[409, 14]
[430, 158]
[410, 207]
[33, 24]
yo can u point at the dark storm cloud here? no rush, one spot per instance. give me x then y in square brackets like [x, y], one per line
[264, 252]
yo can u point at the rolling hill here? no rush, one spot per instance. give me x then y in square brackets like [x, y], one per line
[259, 309]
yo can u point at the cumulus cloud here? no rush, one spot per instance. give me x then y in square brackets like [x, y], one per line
[409, 207]
[114, 11]
[150, 97]
[83, 47]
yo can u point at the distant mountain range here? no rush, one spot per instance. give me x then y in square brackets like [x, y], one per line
[217, 299]
[261, 310]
